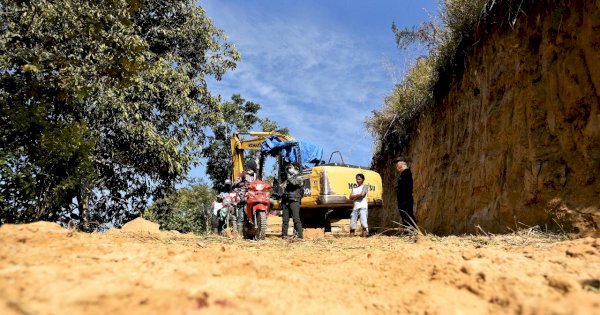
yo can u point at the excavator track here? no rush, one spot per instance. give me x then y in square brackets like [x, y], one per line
[335, 227]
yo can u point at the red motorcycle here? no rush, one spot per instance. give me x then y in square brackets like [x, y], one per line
[257, 208]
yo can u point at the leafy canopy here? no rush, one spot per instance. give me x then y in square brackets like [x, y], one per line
[187, 210]
[103, 104]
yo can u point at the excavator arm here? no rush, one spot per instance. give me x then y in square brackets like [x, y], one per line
[248, 141]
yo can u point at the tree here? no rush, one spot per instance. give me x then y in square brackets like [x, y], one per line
[238, 115]
[103, 104]
[187, 210]
[268, 125]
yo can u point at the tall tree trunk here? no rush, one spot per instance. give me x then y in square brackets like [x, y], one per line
[84, 209]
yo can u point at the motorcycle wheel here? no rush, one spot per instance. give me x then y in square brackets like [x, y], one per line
[261, 225]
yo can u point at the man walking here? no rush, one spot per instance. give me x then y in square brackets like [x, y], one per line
[404, 192]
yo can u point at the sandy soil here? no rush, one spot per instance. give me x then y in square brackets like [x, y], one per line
[45, 269]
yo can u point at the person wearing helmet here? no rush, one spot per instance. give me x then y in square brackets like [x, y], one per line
[230, 202]
[293, 192]
[241, 187]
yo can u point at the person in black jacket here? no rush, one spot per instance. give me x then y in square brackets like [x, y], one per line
[404, 192]
[292, 195]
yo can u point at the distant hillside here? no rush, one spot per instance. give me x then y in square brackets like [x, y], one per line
[505, 131]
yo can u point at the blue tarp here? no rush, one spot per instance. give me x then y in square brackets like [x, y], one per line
[310, 153]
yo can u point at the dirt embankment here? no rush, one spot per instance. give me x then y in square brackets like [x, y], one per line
[515, 140]
[45, 269]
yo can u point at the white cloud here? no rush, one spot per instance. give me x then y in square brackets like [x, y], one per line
[308, 75]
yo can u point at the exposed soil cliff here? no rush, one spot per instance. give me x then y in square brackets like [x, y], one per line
[515, 140]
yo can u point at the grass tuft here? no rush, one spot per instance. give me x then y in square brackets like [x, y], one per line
[447, 39]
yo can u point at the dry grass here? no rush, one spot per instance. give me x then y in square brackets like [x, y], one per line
[448, 39]
[525, 236]
[388, 239]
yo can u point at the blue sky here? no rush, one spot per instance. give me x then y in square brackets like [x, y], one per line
[318, 68]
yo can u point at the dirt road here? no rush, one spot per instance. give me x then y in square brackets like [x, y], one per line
[45, 269]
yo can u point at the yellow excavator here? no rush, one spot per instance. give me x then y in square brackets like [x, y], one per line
[327, 184]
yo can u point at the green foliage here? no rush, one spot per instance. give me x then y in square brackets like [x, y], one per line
[447, 41]
[268, 125]
[103, 104]
[428, 33]
[187, 210]
[405, 104]
[238, 115]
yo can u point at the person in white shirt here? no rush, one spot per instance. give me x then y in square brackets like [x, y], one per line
[216, 206]
[359, 196]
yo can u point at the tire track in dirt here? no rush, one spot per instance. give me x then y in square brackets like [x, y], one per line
[45, 269]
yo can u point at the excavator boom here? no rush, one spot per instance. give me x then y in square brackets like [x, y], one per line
[250, 141]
